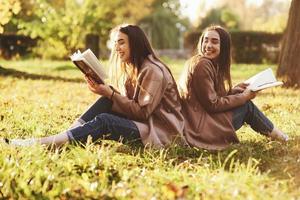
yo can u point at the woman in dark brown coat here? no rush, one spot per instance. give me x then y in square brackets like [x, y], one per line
[213, 110]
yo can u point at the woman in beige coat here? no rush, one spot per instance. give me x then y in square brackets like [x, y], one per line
[148, 109]
[213, 110]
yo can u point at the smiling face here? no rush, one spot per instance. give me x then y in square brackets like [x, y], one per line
[122, 47]
[211, 44]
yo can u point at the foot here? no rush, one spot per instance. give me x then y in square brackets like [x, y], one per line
[277, 134]
[19, 142]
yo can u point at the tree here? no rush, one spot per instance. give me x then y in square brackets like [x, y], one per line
[220, 16]
[62, 25]
[289, 61]
[268, 15]
[7, 9]
[164, 25]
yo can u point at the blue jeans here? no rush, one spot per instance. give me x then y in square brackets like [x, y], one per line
[102, 123]
[250, 114]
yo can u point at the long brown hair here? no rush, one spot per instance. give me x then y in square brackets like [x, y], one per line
[224, 60]
[140, 49]
[139, 45]
[122, 75]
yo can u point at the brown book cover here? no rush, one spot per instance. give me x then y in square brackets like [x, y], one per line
[88, 63]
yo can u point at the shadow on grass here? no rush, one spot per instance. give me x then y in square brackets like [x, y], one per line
[278, 160]
[65, 68]
[287, 164]
[272, 156]
[25, 75]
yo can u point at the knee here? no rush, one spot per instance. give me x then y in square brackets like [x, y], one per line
[104, 101]
[103, 118]
[251, 107]
[249, 104]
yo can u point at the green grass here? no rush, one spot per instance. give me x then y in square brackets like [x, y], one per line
[40, 98]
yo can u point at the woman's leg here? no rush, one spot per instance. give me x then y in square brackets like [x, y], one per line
[250, 114]
[102, 105]
[57, 140]
[105, 126]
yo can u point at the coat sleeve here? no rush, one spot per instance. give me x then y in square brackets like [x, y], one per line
[149, 95]
[203, 85]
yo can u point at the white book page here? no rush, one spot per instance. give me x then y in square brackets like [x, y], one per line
[76, 56]
[268, 85]
[91, 67]
[262, 80]
[92, 60]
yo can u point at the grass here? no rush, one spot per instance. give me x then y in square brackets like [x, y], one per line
[40, 98]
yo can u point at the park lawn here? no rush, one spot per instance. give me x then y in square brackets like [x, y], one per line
[40, 98]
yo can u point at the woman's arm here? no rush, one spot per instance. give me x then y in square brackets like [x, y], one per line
[149, 95]
[150, 92]
[203, 85]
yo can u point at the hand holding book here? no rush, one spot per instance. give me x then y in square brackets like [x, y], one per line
[239, 88]
[88, 63]
[101, 89]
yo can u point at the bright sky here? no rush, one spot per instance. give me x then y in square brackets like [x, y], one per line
[191, 6]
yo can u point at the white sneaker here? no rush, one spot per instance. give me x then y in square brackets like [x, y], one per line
[23, 142]
[277, 134]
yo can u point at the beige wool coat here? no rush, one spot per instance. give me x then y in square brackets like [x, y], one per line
[155, 107]
[207, 112]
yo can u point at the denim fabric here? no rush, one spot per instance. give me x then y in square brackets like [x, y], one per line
[102, 105]
[101, 123]
[250, 114]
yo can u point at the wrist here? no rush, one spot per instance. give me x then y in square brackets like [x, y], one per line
[112, 95]
[245, 96]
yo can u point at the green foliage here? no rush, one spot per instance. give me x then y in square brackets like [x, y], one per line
[42, 98]
[255, 47]
[266, 16]
[62, 25]
[164, 25]
[271, 16]
[60, 29]
[8, 8]
[221, 16]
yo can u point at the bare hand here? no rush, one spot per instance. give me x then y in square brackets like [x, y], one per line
[249, 94]
[103, 90]
[239, 88]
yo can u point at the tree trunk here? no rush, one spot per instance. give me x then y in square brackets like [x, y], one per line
[289, 60]
[92, 42]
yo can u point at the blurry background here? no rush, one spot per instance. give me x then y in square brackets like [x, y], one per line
[56, 28]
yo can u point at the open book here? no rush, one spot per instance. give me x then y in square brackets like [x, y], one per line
[262, 80]
[88, 63]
